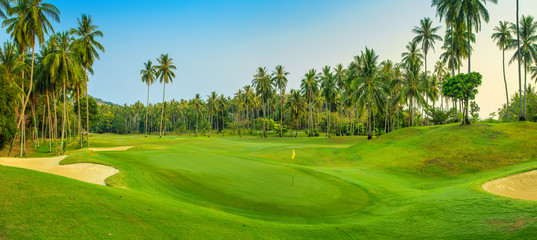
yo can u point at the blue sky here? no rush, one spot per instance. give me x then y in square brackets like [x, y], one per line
[217, 45]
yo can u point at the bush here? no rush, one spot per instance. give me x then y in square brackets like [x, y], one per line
[439, 116]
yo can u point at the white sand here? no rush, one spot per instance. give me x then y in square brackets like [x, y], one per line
[112, 149]
[521, 186]
[87, 172]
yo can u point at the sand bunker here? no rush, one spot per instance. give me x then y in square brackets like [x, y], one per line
[521, 186]
[112, 149]
[87, 172]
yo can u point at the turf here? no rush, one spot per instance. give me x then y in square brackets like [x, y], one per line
[414, 183]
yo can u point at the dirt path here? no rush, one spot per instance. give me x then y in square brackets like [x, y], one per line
[87, 172]
[111, 149]
[521, 186]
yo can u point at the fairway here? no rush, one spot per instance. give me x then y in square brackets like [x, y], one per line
[231, 187]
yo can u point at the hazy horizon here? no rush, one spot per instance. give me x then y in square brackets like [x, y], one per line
[217, 46]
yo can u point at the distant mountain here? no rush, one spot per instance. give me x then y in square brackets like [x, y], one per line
[102, 102]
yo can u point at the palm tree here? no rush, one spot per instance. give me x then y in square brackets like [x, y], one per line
[448, 10]
[528, 47]
[426, 35]
[310, 87]
[29, 22]
[263, 85]
[148, 76]
[296, 106]
[368, 87]
[248, 100]
[412, 85]
[197, 105]
[502, 36]
[64, 65]
[522, 112]
[89, 51]
[4, 5]
[166, 75]
[413, 51]
[441, 71]
[473, 11]
[212, 108]
[280, 79]
[329, 91]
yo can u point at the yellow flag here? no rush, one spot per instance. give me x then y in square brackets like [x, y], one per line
[293, 155]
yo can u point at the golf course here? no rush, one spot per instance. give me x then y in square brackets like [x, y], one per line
[395, 186]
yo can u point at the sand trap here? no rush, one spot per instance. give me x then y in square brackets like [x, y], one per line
[521, 186]
[112, 149]
[87, 172]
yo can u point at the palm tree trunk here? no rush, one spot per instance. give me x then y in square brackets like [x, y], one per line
[87, 106]
[281, 115]
[49, 124]
[505, 81]
[80, 137]
[469, 42]
[311, 117]
[147, 111]
[264, 116]
[522, 113]
[163, 104]
[327, 123]
[525, 83]
[63, 119]
[36, 138]
[55, 127]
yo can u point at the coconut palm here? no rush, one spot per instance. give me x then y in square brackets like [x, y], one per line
[522, 112]
[197, 104]
[280, 79]
[329, 91]
[89, 49]
[368, 87]
[528, 47]
[412, 85]
[472, 11]
[148, 77]
[263, 85]
[426, 35]
[64, 65]
[310, 87]
[296, 105]
[29, 21]
[456, 46]
[166, 75]
[448, 10]
[249, 99]
[212, 108]
[440, 70]
[502, 36]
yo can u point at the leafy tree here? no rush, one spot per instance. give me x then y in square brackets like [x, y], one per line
[93, 110]
[8, 98]
[464, 88]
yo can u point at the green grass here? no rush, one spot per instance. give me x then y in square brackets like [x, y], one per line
[414, 183]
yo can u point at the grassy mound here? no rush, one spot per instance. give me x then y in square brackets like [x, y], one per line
[413, 183]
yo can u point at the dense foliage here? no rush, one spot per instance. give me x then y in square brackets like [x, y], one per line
[8, 97]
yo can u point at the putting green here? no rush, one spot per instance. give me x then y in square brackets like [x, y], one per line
[251, 187]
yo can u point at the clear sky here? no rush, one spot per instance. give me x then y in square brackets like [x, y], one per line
[217, 45]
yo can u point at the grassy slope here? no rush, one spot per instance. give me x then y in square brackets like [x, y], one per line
[418, 182]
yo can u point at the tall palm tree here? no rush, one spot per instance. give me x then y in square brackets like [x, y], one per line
[440, 70]
[89, 49]
[166, 75]
[502, 36]
[280, 79]
[528, 47]
[368, 87]
[448, 10]
[522, 112]
[473, 11]
[296, 106]
[30, 22]
[329, 91]
[310, 87]
[248, 100]
[64, 66]
[426, 35]
[412, 85]
[149, 74]
[263, 85]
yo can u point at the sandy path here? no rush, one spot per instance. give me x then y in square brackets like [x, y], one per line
[111, 149]
[521, 186]
[87, 172]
